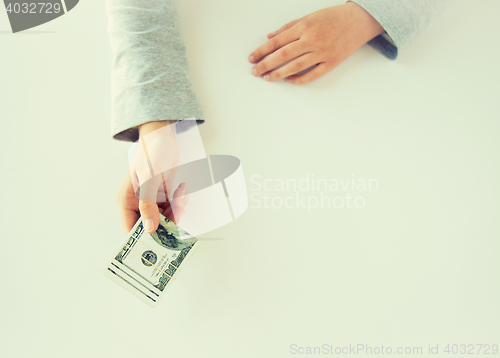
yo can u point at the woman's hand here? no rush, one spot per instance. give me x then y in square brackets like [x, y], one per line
[324, 38]
[154, 163]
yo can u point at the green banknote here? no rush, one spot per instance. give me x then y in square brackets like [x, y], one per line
[147, 264]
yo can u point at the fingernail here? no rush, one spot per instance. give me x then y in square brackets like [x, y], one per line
[251, 58]
[267, 78]
[289, 80]
[149, 225]
[183, 186]
[254, 71]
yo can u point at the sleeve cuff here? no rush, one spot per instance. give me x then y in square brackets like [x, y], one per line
[402, 20]
[131, 134]
[383, 43]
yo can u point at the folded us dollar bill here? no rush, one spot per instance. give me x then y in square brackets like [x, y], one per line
[147, 264]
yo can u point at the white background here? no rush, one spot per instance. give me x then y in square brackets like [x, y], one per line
[418, 265]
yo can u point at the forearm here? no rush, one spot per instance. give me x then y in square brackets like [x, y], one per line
[150, 78]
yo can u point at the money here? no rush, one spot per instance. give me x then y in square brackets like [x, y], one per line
[147, 264]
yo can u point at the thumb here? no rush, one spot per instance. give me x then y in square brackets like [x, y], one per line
[150, 215]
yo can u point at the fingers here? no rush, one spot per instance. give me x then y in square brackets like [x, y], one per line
[150, 215]
[279, 58]
[295, 66]
[272, 45]
[283, 28]
[180, 195]
[127, 204]
[309, 76]
[175, 210]
[128, 218]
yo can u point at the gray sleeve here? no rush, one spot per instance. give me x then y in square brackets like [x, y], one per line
[402, 21]
[150, 78]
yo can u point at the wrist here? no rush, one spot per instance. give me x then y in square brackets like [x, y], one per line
[369, 27]
[159, 138]
[146, 128]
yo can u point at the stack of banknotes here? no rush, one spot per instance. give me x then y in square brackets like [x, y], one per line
[147, 264]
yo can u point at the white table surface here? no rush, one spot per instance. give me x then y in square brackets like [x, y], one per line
[418, 265]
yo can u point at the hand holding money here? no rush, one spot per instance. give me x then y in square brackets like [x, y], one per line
[146, 264]
[156, 152]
